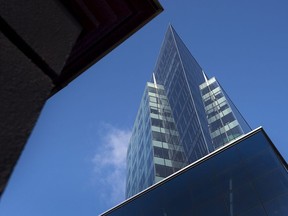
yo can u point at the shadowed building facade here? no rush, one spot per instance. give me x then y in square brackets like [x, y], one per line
[246, 177]
[183, 116]
[47, 44]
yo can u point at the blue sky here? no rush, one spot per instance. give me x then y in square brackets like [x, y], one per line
[74, 161]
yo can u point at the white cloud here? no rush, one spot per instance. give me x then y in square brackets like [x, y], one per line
[110, 163]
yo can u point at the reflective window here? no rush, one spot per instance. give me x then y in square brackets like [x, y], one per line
[247, 178]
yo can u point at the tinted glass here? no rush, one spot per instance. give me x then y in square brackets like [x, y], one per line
[247, 178]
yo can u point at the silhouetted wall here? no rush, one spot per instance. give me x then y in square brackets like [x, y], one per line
[35, 36]
[44, 44]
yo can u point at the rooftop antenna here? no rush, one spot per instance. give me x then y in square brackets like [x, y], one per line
[205, 77]
[154, 80]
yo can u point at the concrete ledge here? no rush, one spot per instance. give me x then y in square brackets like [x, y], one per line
[23, 92]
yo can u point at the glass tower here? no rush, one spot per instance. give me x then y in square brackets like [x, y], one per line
[154, 151]
[183, 116]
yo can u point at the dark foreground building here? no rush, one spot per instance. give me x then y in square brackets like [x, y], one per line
[44, 45]
[182, 117]
[246, 177]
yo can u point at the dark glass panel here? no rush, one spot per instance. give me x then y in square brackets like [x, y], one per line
[234, 132]
[271, 185]
[163, 171]
[156, 122]
[242, 198]
[178, 156]
[255, 211]
[205, 90]
[209, 101]
[151, 89]
[253, 145]
[154, 111]
[227, 118]
[278, 206]
[167, 113]
[219, 95]
[262, 163]
[158, 136]
[161, 152]
[220, 185]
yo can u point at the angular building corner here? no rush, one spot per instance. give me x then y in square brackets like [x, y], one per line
[246, 177]
[182, 117]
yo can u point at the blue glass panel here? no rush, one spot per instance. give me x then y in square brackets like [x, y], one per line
[220, 185]
[278, 206]
[255, 211]
[254, 144]
[242, 198]
[266, 161]
[271, 185]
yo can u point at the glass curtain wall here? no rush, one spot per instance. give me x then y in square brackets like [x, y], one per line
[154, 151]
[248, 177]
[223, 122]
[181, 75]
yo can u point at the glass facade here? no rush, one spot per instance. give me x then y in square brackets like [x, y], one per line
[154, 151]
[224, 120]
[182, 117]
[181, 75]
[247, 177]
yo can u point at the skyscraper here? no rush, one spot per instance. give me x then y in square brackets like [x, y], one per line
[183, 116]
